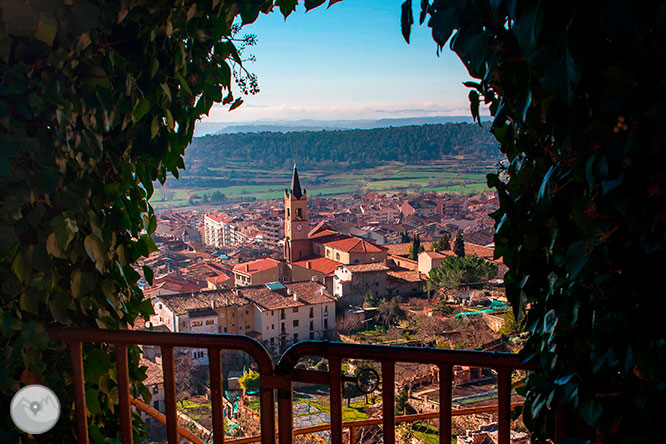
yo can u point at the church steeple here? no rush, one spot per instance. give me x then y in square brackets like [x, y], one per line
[296, 184]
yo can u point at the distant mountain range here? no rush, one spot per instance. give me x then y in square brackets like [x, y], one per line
[285, 126]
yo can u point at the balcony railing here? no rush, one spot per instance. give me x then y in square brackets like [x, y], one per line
[280, 378]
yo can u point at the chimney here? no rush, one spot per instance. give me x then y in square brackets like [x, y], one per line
[295, 297]
[289, 291]
[212, 302]
[308, 264]
[321, 291]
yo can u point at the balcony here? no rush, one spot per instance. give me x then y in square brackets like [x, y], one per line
[280, 379]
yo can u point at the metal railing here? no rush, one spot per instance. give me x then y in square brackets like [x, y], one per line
[282, 377]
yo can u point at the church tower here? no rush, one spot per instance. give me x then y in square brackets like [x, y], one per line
[297, 245]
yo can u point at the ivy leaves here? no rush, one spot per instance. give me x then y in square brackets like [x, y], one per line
[98, 100]
[579, 225]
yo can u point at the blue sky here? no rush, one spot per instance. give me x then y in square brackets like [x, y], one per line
[348, 62]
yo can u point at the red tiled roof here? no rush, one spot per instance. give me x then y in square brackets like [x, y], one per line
[218, 279]
[308, 293]
[365, 268]
[220, 217]
[255, 266]
[325, 232]
[154, 373]
[355, 245]
[403, 249]
[321, 264]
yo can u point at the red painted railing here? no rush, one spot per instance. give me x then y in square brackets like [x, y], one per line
[282, 377]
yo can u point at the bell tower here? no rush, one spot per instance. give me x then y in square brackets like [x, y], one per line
[297, 245]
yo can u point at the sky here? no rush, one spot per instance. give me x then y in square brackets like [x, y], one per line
[347, 62]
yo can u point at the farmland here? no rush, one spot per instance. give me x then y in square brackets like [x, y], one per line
[455, 175]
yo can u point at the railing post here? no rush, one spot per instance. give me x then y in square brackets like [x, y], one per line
[214, 359]
[504, 405]
[445, 401]
[267, 409]
[352, 435]
[335, 370]
[388, 401]
[285, 414]
[123, 394]
[79, 392]
[170, 394]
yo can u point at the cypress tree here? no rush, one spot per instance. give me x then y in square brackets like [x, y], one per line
[459, 245]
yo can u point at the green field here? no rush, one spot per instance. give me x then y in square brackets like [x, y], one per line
[454, 176]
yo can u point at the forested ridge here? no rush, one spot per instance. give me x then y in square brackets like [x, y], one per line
[406, 144]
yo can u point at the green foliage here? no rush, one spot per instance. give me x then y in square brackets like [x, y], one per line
[579, 111]
[459, 245]
[359, 148]
[249, 381]
[389, 313]
[456, 271]
[444, 243]
[401, 400]
[371, 300]
[98, 100]
[415, 248]
[442, 307]
[510, 325]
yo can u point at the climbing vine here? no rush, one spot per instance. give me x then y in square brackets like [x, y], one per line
[98, 99]
[579, 107]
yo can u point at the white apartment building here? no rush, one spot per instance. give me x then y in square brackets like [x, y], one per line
[277, 314]
[219, 231]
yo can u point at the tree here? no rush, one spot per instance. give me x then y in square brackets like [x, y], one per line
[183, 367]
[415, 248]
[442, 307]
[371, 300]
[98, 101]
[389, 312]
[456, 271]
[401, 400]
[459, 245]
[444, 243]
[249, 381]
[581, 221]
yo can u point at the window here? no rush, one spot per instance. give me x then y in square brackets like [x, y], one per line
[325, 309]
[295, 310]
[247, 327]
[311, 335]
[225, 329]
[155, 389]
[247, 312]
[311, 325]
[288, 212]
[376, 284]
[328, 253]
[233, 315]
[299, 214]
[337, 256]
[295, 337]
[283, 328]
[295, 323]
[197, 323]
[156, 405]
[282, 313]
[272, 326]
[160, 306]
[210, 322]
[311, 312]
[325, 324]
[272, 312]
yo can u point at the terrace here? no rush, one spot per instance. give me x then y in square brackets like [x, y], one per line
[276, 381]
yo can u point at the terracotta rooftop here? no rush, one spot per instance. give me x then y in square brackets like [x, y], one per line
[154, 373]
[200, 300]
[434, 254]
[253, 267]
[403, 249]
[406, 275]
[366, 268]
[220, 217]
[308, 293]
[355, 245]
[321, 264]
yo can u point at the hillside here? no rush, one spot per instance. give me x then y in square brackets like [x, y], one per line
[356, 148]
